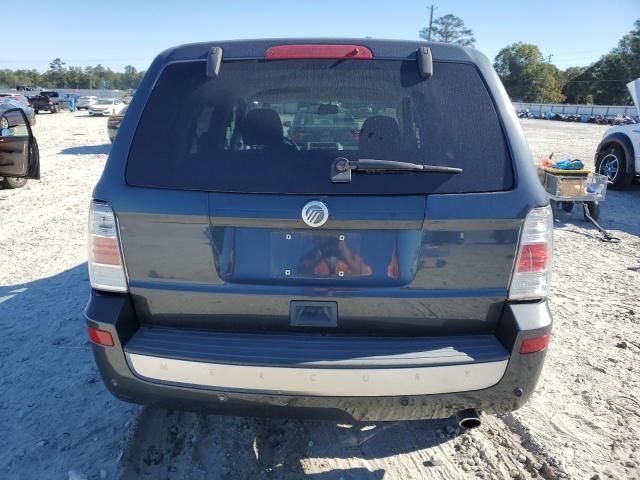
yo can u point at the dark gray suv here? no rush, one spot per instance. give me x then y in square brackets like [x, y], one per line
[400, 275]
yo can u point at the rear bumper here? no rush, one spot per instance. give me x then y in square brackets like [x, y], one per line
[347, 391]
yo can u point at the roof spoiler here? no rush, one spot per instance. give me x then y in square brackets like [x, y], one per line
[214, 59]
[425, 62]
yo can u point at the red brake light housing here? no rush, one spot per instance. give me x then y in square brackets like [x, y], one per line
[533, 258]
[106, 267]
[532, 273]
[322, 52]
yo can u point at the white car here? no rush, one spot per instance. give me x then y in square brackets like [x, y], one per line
[86, 101]
[107, 106]
[618, 155]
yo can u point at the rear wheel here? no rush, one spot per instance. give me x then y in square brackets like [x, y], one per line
[612, 162]
[567, 206]
[11, 182]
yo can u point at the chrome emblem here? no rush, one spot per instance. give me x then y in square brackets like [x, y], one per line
[315, 213]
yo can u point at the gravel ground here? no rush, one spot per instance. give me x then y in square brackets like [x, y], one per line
[59, 422]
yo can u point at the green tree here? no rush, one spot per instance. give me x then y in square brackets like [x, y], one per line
[55, 77]
[75, 77]
[129, 77]
[604, 81]
[526, 76]
[59, 75]
[449, 29]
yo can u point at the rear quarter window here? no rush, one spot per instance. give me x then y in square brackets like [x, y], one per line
[276, 127]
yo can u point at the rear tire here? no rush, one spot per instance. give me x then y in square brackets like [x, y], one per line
[567, 206]
[11, 182]
[612, 162]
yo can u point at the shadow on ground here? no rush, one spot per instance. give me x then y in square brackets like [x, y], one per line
[56, 414]
[188, 445]
[87, 150]
[47, 366]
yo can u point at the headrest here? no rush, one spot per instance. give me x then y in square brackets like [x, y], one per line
[380, 137]
[262, 126]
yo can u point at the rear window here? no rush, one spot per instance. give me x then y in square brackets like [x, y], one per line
[277, 126]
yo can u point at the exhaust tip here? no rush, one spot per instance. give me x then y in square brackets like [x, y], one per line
[469, 419]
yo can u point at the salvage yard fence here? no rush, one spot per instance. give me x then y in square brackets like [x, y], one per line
[604, 110]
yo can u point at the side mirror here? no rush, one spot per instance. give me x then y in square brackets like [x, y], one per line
[19, 155]
[286, 123]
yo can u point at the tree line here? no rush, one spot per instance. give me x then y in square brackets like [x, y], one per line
[59, 75]
[524, 71]
[529, 77]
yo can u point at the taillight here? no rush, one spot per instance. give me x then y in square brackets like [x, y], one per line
[50, 102]
[532, 272]
[106, 269]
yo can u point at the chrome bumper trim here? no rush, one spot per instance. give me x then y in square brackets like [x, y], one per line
[330, 382]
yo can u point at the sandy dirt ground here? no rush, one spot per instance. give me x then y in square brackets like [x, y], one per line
[59, 422]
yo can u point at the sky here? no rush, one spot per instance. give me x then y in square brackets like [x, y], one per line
[116, 33]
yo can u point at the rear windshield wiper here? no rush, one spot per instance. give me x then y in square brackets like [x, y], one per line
[341, 168]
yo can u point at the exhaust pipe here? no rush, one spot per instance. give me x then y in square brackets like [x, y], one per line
[468, 419]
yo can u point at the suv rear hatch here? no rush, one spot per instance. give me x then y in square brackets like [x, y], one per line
[212, 229]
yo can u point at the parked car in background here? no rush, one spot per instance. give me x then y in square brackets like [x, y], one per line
[324, 126]
[400, 278]
[8, 103]
[85, 101]
[16, 96]
[49, 101]
[618, 154]
[24, 88]
[107, 106]
[19, 156]
[113, 123]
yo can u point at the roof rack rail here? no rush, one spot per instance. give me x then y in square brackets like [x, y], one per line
[425, 62]
[214, 59]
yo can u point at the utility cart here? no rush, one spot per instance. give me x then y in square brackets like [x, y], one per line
[568, 187]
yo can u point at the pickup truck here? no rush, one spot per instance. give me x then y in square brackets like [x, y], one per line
[49, 101]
